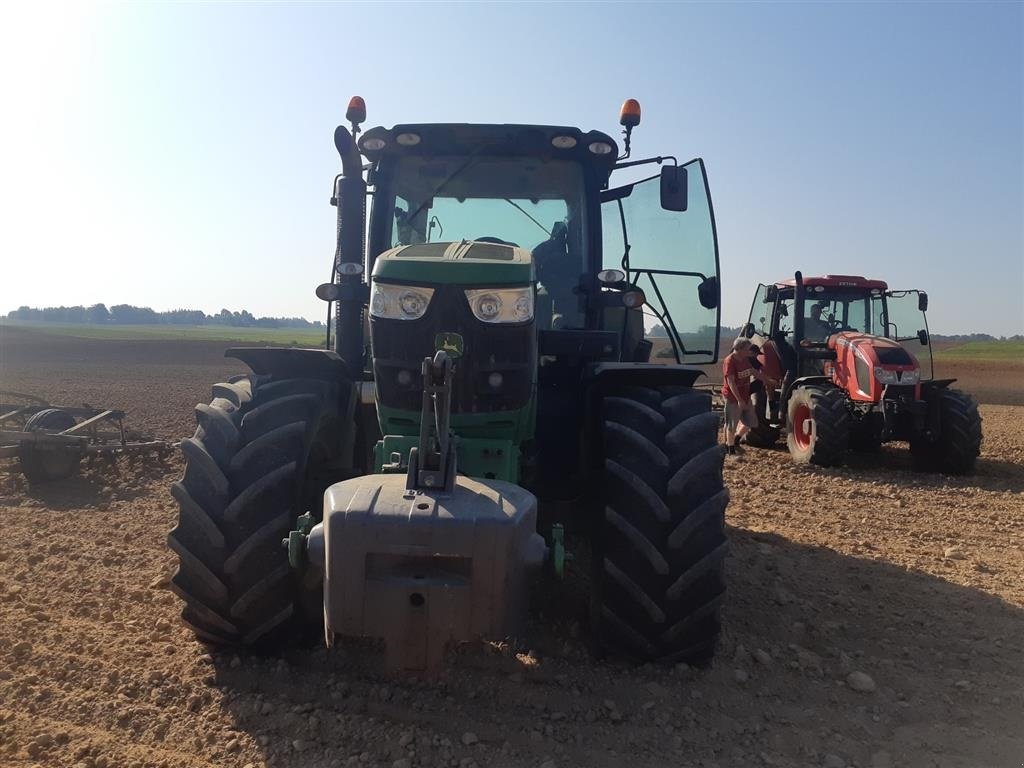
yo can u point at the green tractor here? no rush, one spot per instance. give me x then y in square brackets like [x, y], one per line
[513, 356]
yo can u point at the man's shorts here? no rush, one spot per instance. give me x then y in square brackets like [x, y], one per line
[736, 414]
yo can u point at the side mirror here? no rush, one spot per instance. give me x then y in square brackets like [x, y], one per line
[748, 330]
[707, 292]
[673, 188]
[922, 336]
[922, 302]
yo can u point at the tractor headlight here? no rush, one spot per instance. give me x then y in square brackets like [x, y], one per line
[885, 377]
[910, 377]
[399, 302]
[501, 305]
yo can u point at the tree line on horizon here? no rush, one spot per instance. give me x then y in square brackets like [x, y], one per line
[127, 314]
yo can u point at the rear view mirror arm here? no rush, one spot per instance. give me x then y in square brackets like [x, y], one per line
[658, 160]
[673, 272]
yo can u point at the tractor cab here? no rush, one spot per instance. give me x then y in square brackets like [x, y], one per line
[624, 272]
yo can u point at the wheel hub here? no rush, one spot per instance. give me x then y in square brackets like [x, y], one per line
[802, 426]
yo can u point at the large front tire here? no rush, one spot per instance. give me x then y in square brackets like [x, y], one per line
[959, 444]
[818, 425]
[660, 544]
[243, 487]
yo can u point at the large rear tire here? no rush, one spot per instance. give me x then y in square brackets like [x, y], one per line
[660, 545]
[246, 481]
[818, 426]
[959, 444]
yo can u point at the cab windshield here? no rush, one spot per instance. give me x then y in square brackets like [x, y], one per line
[833, 310]
[533, 203]
[517, 200]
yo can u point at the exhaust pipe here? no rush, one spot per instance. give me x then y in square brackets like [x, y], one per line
[798, 311]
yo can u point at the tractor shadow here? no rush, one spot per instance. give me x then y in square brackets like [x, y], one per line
[893, 464]
[944, 658]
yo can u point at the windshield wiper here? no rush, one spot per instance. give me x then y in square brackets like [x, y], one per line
[527, 215]
[440, 187]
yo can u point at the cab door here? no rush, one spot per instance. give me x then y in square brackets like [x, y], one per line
[758, 327]
[672, 256]
[902, 316]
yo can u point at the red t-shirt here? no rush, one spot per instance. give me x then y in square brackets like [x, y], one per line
[740, 369]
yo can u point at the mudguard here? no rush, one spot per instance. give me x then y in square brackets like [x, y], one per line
[935, 384]
[641, 374]
[295, 363]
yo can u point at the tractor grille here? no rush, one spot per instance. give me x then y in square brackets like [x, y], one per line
[893, 356]
[510, 351]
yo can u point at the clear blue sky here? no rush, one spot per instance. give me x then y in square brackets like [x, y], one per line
[181, 155]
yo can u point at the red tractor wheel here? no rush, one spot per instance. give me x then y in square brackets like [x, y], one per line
[818, 426]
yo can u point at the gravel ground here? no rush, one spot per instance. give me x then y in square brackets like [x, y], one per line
[875, 618]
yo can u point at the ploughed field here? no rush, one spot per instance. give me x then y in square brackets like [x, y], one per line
[875, 618]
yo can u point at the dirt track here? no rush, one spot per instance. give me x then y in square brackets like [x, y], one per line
[917, 581]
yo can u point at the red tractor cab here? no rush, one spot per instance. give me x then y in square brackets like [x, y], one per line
[852, 368]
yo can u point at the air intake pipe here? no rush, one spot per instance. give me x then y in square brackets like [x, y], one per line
[350, 199]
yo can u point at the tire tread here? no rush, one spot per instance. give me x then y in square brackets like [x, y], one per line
[664, 506]
[237, 499]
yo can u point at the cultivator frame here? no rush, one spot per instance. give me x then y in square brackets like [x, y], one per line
[48, 452]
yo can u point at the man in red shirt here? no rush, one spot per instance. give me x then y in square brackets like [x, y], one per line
[737, 372]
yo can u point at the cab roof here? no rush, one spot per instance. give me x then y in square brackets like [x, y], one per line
[838, 281]
[491, 139]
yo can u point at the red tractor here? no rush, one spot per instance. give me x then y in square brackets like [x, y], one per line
[846, 355]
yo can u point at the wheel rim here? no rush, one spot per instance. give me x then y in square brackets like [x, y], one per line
[802, 422]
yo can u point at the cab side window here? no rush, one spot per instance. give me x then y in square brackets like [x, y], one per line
[761, 312]
[785, 319]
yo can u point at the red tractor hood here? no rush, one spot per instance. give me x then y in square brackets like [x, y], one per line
[876, 349]
[858, 355]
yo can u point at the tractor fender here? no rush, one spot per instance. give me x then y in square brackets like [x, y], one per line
[803, 381]
[935, 384]
[603, 375]
[292, 362]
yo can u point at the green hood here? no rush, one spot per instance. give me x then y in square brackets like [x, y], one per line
[467, 262]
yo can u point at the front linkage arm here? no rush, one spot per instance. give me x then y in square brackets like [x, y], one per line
[432, 462]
